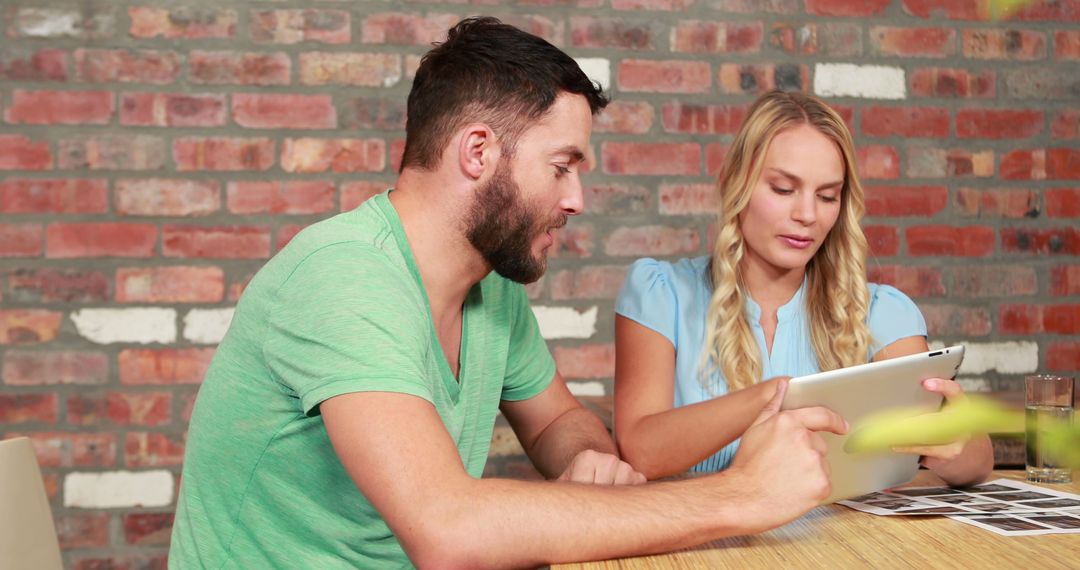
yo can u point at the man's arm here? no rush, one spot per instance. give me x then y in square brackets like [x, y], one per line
[396, 449]
[565, 440]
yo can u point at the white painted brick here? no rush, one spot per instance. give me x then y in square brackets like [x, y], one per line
[141, 325]
[118, 489]
[1004, 357]
[207, 326]
[866, 81]
[586, 388]
[974, 384]
[566, 322]
[598, 69]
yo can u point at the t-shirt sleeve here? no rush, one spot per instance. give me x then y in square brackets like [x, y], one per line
[648, 298]
[529, 364]
[344, 321]
[893, 316]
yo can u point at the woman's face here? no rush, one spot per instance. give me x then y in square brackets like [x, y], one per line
[795, 202]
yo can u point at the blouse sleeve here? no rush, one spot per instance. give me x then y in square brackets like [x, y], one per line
[893, 316]
[648, 298]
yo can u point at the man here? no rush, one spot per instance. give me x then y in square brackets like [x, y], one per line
[346, 417]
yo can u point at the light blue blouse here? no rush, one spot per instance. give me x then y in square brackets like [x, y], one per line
[672, 298]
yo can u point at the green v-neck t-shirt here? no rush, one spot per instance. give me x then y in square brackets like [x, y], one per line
[341, 309]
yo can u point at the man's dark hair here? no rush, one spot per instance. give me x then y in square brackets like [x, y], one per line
[490, 72]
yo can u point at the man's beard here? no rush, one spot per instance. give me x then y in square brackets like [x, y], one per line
[502, 228]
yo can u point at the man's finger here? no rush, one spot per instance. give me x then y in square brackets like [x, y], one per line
[773, 407]
[820, 419]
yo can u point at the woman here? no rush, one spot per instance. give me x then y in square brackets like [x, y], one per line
[784, 293]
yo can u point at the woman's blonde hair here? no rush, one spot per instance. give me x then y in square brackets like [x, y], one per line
[836, 298]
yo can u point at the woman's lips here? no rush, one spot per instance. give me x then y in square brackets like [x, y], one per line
[797, 242]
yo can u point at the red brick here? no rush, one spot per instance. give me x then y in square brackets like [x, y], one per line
[998, 123]
[1065, 241]
[682, 199]
[717, 37]
[142, 449]
[586, 361]
[1063, 163]
[997, 203]
[916, 281]
[406, 29]
[979, 281]
[20, 240]
[164, 197]
[58, 196]
[755, 6]
[905, 121]
[126, 66]
[702, 119]
[107, 239]
[230, 67]
[1064, 280]
[295, 26]
[335, 155]
[58, 285]
[1036, 319]
[877, 162]
[625, 117]
[906, 200]
[187, 406]
[112, 152]
[356, 69]
[41, 65]
[951, 9]
[285, 233]
[794, 39]
[591, 32]
[83, 531]
[145, 529]
[651, 241]
[275, 197]
[953, 320]
[59, 107]
[1063, 356]
[272, 111]
[616, 199]
[355, 193]
[1058, 11]
[28, 408]
[236, 288]
[931, 162]
[952, 82]
[663, 76]
[661, 5]
[21, 153]
[60, 449]
[714, 157]
[33, 368]
[139, 408]
[379, 113]
[550, 30]
[176, 284]
[187, 23]
[27, 326]
[970, 241]
[651, 158]
[846, 7]
[883, 240]
[913, 42]
[1067, 45]
[172, 110]
[1063, 202]
[1003, 44]
[837, 39]
[593, 282]
[82, 22]
[222, 154]
[1041, 164]
[397, 151]
[222, 242]
[164, 366]
[754, 78]
[148, 562]
[1065, 124]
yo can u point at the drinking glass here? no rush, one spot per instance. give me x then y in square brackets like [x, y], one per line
[1048, 405]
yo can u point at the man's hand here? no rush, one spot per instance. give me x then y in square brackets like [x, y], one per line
[599, 468]
[781, 461]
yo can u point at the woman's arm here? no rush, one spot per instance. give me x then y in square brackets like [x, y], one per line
[965, 462]
[653, 436]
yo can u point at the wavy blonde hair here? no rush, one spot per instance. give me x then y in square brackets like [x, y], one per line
[837, 298]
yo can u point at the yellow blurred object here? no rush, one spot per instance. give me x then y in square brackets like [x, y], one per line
[1002, 9]
[901, 428]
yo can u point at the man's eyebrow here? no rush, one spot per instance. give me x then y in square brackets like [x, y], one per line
[575, 153]
[791, 176]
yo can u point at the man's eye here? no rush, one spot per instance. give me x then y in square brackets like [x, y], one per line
[561, 170]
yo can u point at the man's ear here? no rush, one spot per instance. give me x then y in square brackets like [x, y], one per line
[477, 150]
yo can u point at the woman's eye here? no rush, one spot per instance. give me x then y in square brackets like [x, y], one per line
[828, 198]
[780, 190]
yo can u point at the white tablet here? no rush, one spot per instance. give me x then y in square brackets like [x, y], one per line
[857, 391]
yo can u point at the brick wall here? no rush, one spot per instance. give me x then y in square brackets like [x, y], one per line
[153, 155]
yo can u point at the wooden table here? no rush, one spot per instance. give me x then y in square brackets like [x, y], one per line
[838, 537]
